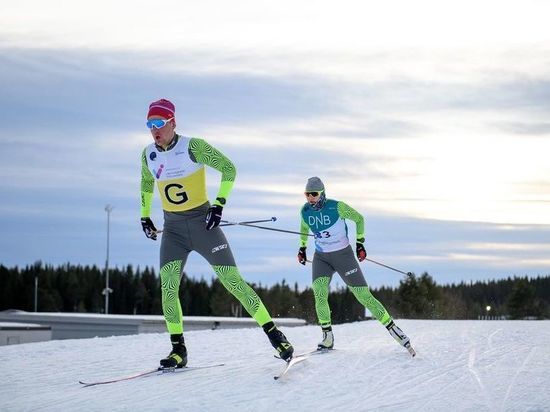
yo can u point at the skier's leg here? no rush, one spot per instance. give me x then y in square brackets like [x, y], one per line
[348, 268]
[366, 298]
[232, 280]
[322, 273]
[173, 255]
[363, 295]
[213, 246]
[320, 287]
[170, 275]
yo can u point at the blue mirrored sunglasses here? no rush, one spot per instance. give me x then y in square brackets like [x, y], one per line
[157, 123]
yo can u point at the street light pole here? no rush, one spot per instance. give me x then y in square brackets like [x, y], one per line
[107, 290]
[36, 292]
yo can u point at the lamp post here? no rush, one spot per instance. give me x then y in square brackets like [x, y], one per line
[107, 290]
[488, 309]
[35, 292]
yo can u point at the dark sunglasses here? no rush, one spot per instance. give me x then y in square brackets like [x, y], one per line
[314, 194]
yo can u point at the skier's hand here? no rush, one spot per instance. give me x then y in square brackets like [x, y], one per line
[149, 228]
[302, 258]
[360, 250]
[213, 216]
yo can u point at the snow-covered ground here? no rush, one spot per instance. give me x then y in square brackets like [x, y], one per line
[460, 366]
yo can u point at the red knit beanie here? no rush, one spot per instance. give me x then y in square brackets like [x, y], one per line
[162, 107]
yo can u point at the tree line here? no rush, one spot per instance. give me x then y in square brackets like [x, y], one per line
[76, 288]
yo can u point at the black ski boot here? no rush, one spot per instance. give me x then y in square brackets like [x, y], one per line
[177, 358]
[279, 341]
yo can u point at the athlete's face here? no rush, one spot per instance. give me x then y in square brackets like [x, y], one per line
[164, 135]
[312, 197]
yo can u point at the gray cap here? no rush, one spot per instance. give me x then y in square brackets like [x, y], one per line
[314, 184]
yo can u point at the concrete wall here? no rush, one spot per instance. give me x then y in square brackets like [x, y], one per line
[12, 333]
[89, 325]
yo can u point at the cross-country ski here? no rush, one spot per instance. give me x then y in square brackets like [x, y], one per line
[299, 358]
[156, 371]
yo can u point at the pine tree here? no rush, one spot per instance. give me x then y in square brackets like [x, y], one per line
[522, 300]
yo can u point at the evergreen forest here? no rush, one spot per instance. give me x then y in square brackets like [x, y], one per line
[76, 288]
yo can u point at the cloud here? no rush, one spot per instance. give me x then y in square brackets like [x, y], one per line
[79, 105]
[437, 139]
[524, 128]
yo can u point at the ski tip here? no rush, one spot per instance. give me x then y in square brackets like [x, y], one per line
[274, 218]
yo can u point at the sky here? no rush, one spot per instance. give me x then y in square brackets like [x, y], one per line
[472, 365]
[428, 118]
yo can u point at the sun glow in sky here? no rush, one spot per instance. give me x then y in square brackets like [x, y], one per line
[469, 177]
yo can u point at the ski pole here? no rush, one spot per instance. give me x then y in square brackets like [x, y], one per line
[258, 227]
[275, 230]
[226, 223]
[229, 223]
[409, 274]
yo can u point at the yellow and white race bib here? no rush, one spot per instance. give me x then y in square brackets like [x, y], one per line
[180, 181]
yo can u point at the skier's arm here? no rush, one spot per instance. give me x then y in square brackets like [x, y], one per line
[202, 152]
[304, 230]
[347, 212]
[147, 184]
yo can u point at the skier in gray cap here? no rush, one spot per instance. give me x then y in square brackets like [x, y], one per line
[333, 253]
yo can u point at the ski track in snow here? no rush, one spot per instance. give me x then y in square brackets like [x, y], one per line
[463, 365]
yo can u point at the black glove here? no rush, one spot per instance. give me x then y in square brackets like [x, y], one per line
[213, 216]
[302, 258]
[149, 228]
[360, 250]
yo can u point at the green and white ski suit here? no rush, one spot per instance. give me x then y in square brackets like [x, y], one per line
[179, 172]
[333, 253]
